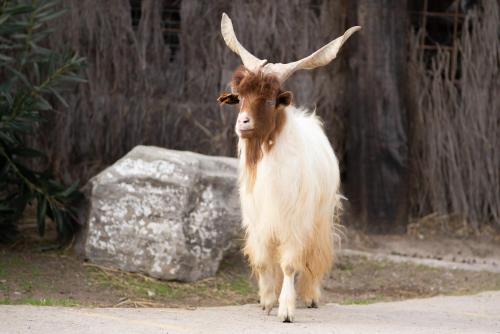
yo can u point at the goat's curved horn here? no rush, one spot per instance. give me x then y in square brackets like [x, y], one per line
[251, 62]
[319, 58]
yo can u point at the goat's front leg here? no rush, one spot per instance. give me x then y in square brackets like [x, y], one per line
[267, 287]
[286, 311]
[261, 260]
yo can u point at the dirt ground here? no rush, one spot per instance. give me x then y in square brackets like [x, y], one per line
[31, 276]
[432, 241]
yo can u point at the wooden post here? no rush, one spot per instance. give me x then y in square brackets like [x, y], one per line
[377, 153]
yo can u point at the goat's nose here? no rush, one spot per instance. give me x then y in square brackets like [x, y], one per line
[243, 119]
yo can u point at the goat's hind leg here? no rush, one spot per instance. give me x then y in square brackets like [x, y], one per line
[309, 288]
[318, 261]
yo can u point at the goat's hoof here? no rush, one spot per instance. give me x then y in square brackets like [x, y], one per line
[313, 304]
[267, 308]
[286, 317]
[286, 314]
[267, 303]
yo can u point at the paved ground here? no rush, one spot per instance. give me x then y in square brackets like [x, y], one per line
[465, 314]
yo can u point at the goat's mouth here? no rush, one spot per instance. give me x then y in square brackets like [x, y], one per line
[245, 127]
[244, 132]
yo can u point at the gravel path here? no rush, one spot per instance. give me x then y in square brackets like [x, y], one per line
[458, 314]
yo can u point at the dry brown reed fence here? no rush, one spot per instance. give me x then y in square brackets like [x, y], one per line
[139, 93]
[455, 128]
[136, 94]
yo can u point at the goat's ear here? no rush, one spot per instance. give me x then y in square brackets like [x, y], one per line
[284, 99]
[227, 98]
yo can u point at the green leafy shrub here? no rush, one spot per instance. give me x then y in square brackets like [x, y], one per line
[32, 78]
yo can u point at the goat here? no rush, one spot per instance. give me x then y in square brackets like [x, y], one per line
[289, 178]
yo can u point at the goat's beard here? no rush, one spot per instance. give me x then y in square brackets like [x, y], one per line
[253, 154]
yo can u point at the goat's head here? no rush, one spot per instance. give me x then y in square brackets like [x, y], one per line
[261, 103]
[257, 85]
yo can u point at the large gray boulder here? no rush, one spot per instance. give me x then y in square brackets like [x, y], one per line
[172, 215]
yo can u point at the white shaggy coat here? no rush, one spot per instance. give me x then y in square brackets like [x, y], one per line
[288, 212]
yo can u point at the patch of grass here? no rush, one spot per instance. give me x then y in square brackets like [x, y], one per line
[148, 287]
[344, 266]
[40, 302]
[35, 271]
[27, 286]
[163, 290]
[13, 261]
[236, 283]
[15, 264]
[223, 288]
[363, 301]
[131, 283]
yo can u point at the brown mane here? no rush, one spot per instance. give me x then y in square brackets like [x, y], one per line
[247, 83]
